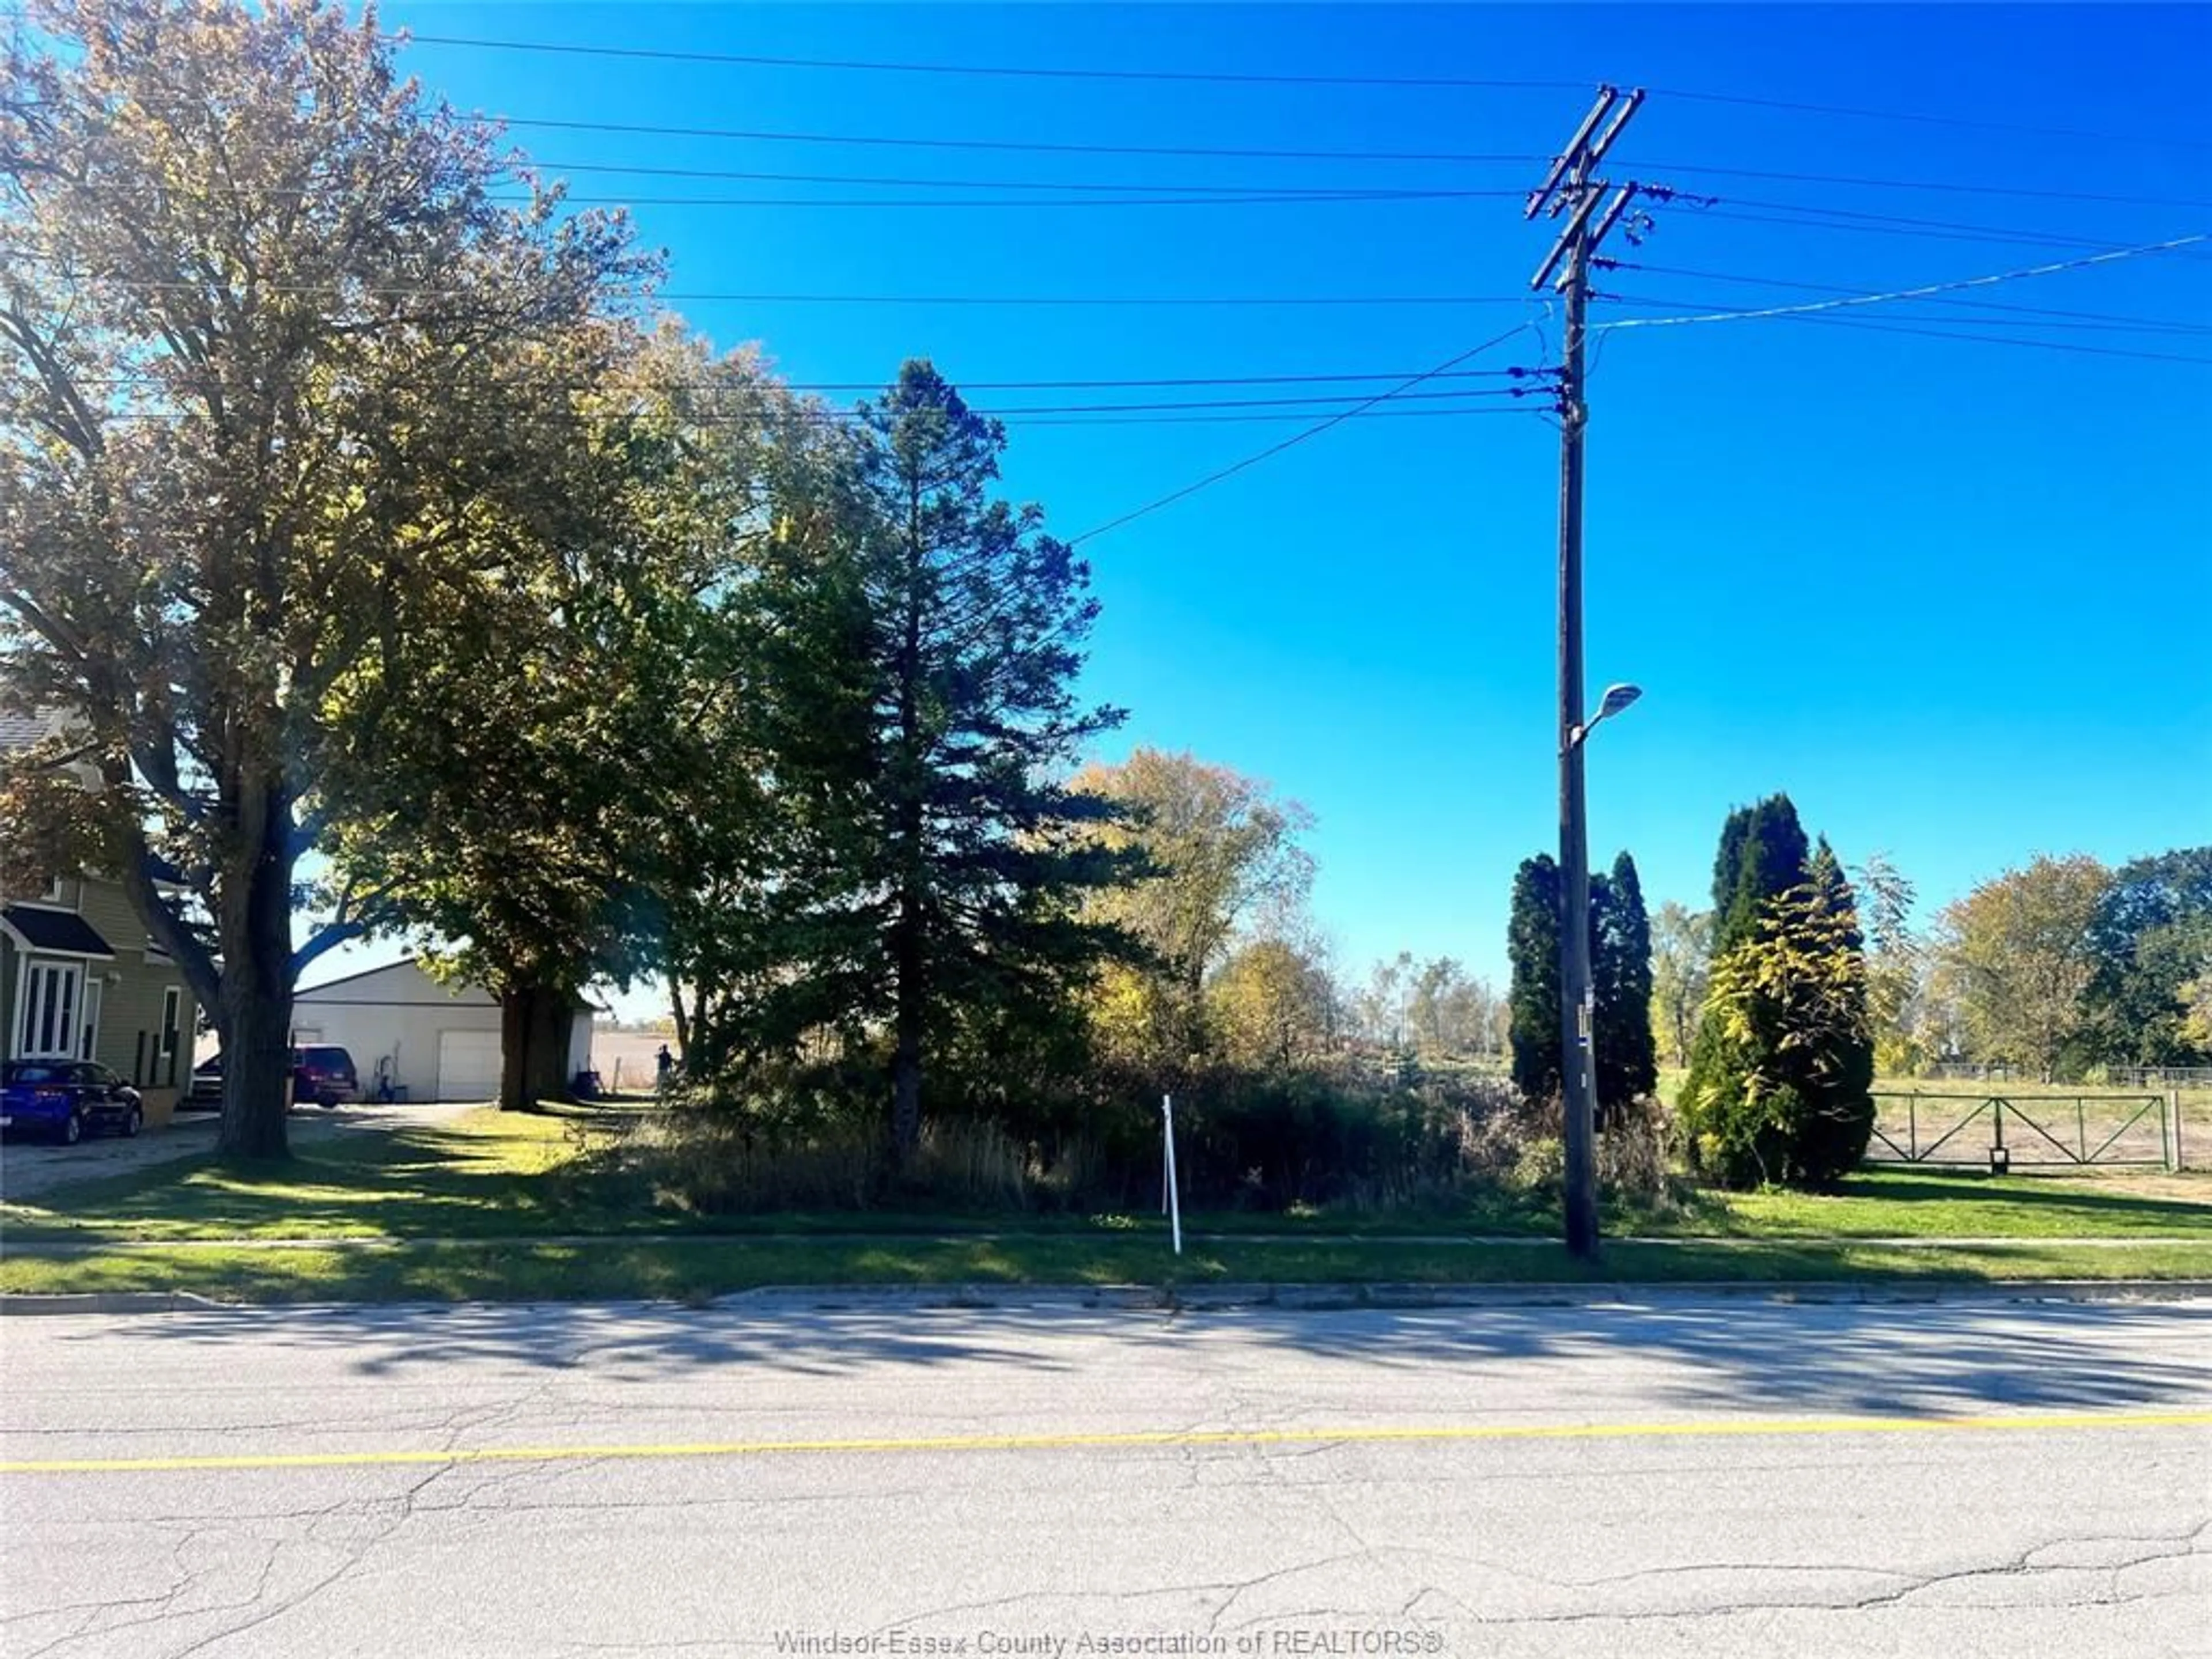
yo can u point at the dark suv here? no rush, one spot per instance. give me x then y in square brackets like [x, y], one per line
[322, 1075]
[323, 1072]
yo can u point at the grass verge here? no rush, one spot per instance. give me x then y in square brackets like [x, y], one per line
[497, 1183]
[692, 1270]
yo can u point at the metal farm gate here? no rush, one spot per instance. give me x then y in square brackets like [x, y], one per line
[2027, 1131]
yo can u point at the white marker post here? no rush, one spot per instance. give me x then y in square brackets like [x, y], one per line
[1168, 1171]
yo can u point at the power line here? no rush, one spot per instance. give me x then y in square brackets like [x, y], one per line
[148, 376]
[1398, 391]
[1920, 292]
[1294, 439]
[1859, 181]
[1457, 158]
[1323, 191]
[1995, 327]
[1885, 326]
[1303, 198]
[1015, 301]
[536, 165]
[1973, 123]
[2147, 325]
[1815, 216]
[1010, 71]
[1031, 71]
[1037, 147]
[1232, 420]
[847, 420]
[1914, 323]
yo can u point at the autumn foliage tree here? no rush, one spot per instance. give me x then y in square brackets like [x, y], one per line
[2019, 954]
[271, 343]
[1214, 861]
[550, 718]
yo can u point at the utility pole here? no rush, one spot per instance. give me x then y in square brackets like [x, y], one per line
[1573, 188]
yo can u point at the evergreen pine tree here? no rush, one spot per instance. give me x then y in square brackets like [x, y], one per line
[1532, 948]
[1627, 1053]
[933, 863]
[1778, 1089]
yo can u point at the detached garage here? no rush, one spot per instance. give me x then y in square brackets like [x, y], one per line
[417, 1038]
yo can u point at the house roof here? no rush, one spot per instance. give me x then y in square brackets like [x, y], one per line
[22, 731]
[466, 990]
[65, 932]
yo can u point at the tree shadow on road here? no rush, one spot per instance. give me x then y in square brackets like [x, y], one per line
[1689, 1353]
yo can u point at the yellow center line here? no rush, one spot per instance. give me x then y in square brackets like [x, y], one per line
[1353, 1435]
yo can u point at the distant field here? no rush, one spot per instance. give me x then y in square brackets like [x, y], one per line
[632, 1051]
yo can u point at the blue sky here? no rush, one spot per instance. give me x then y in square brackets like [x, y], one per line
[1951, 594]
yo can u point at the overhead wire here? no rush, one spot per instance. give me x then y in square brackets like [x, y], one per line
[148, 376]
[1001, 71]
[1293, 440]
[1010, 301]
[1034, 147]
[1275, 78]
[1912, 323]
[1925, 289]
[2115, 319]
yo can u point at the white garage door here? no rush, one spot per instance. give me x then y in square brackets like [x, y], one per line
[468, 1064]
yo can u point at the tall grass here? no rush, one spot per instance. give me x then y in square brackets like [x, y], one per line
[718, 1163]
[1259, 1140]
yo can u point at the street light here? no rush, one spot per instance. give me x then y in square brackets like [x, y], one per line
[1616, 698]
[1577, 1081]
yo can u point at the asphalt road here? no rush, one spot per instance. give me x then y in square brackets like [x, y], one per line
[1685, 1475]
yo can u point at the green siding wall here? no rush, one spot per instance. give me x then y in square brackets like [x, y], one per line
[131, 1004]
[131, 991]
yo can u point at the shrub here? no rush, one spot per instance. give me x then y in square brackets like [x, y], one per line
[1781, 1089]
[1332, 1135]
[731, 1164]
[1636, 1154]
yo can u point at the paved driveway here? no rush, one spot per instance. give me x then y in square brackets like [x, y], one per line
[29, 1169]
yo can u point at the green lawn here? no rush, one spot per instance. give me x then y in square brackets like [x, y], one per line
[496, 1184]
[693, 1269]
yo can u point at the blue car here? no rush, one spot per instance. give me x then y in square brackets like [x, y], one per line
[65, 1098]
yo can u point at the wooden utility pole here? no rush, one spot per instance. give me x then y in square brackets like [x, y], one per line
[1573, 188]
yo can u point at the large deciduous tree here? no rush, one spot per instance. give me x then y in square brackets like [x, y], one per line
[2019, 951]
[1896, 965]
[1681, 944]
[1450, 1010]
[2151, 936]
[1270, 1003]
[271, 348]
[938, 864]
[552, 721]
[1214, 856]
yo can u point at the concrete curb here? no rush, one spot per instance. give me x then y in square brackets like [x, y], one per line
[63, 1249]
[1215, 1298]
[15, 1305]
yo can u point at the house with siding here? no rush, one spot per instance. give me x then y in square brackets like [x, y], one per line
[80, 978]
